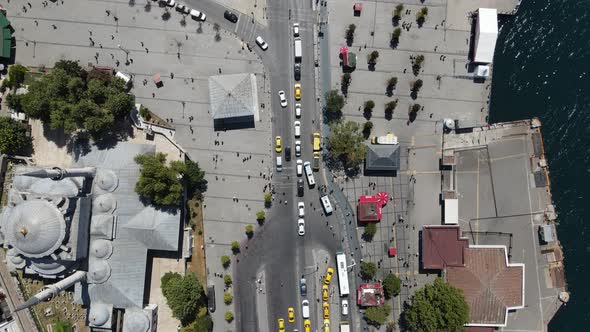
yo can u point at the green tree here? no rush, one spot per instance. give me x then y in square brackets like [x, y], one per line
[368, 270]
[345, 82]
[119, 104]
[267, 199]
[71, 67]
[370, 230]
[417, 64]
[391, 83]
[367, 127]
[368, 106]
[14, 101]
[194, 178]
[377, 316]
[166, 15]
[62, 326]
[13, 137]
[260, 215]
[391, 285]
[235, 247]
[229, 316]
[200, 324]
[334, 104]
[414, 109]
[145, 113]
[350, 33]
[390, 106]
[227, 298]
[158, 182]
[397, 13]
[183, 295]
[227, 280]
[436, 307]
[16, 75]
[397, 32]
[347, 143]
[417, 85]
[372, 57]
[225, 261]
[249, 230]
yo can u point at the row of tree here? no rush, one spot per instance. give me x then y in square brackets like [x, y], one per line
[186, 298]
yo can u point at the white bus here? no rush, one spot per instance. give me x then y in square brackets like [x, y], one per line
[342, 273]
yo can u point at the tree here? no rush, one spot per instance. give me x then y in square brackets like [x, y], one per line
[391, 285]
[16, 76]
[14, 101]
[13, 137]
[267, 199]
[372, 57]
[390, 106]
[377, 316]
[421, 16]
[119, 104]
[415, 108]
[368, 106]
[260, 215]
[148, 7]
[397, 13]
[229, 316]
[345, 82]
[397, 32]
[235, 247]
[144, 112]
[417, 64]
[436, 307]
[227, 298]
[391, 84]
[62, 326]
[183, 295]
[71, 67]
[417, 85]
[225, 261]
[227, 280]
[157, 182]
[347, 143]
[350, 34]
[334, 104]
[368, 270]
[200, 324]
[249, 229]
[370, 230]
[391, 326]
[183, 21]
[367, 127]
[194, 178]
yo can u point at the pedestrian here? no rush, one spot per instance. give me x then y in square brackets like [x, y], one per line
[36, 23]
[117, 62]
[28, 3]
[219, 70]
[115, 18]
[112, 37]
[172, 75]
[141, 44]
[108, 12]
[112, 56]
[131, 60]
[146, 50]
[54, 26]
[431, 114]
[153, 95]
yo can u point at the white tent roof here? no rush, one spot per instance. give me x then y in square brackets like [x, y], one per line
[487, 34]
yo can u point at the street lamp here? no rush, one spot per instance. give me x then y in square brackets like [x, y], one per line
[126, 54]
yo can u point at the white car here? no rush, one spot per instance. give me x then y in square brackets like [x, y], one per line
[344, 307]
[297, 129]
[283, 98]
[296, 29]
[301, 227]
[297, 148]
[263, 45]
[299, 164]
[183, 9]
[197, 15]
[305, 309]
[170, 3]
[298, 110]
[301, 208]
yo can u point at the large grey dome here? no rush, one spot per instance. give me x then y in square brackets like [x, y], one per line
[136, 321]
[35, 228]
[99, 314]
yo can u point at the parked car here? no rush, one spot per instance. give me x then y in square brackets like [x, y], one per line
[297, 71]
[305, 309]
[278, 146]
[301, 226]
[297, 91]
[297, 129]
[301, 209]
[298, 110]
[263, 45]
[197, 15]
[300, 188]
[230, 16]
[303, 287]
[288, 153]
[211, 298]
[297, 148]
[283, 98]
[296, 29]
[299, 166]
[183, 9]
[345, 307]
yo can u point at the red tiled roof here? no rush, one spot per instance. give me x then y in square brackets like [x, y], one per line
[442, 246]
[491, 286]
[369, 208]
[370, 295]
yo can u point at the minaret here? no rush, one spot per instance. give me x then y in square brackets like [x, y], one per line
[51, 291]
[58, 173]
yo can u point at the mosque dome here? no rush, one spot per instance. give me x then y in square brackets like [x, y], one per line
[107, 180]
[104, 204]
[35, 228]
[99, 314]
[136, 321]
[99, 271]
[101, 249]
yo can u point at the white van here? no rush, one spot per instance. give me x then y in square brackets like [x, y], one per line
[326, 204]
[197, 15]
[309, 173]
[279, 164]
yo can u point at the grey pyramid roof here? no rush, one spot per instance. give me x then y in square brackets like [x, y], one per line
[233, 96]
[382, 158]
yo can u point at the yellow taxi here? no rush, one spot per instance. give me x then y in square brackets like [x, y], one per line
[316, 142]
[325, 292]
[297, 91]
[326, 307]
[307, 325]
[281, 325]
[326, 325]
[291, 313]
[328, 277]
[278, 147]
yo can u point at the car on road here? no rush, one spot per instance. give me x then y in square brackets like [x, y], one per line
[326, 310]
[169, 3]
[300, 188]
[326, 325]
[303, 287]
[345, 307]
[281, 325]
[230, 16]
[291, 314]
[183, 9]
[307, 325]
[297, 91]
[283, 98]
[197, 15]
[297, 148]
[263, 45]
[278, 147]
[316, 142]
[296, 29]
[305, 309]
[298, 110]
[288, 153]
[329, 274]
[297, 71]
[325, 292]
[297, 129]
[301, 209]
[299, 167]
[326, 204]
[279, 164]
[300, 226]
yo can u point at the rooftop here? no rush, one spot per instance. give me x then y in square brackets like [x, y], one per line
[442, 246]
[382, 158]
[370, 295]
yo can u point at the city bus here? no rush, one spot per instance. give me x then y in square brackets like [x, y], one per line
[342, 273]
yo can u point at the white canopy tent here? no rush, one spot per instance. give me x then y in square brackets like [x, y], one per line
[486, 34]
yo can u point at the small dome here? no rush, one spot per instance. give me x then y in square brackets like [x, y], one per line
[104, 204]
[107, 180]
[101, 249]
[99, 272]
[22, 183]
[16, 259]
[99, 314]
[35, 228]
[136, 321]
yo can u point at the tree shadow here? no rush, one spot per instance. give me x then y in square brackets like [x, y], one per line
[413, 116]
[349, 41]
[329, 117]
[388, 116]
[414, 94]
[57, 136]
[367, 114]
[371, 66]
[393, 43]
[389, 91]
[395, 21]
[420, 22]
[344, 89]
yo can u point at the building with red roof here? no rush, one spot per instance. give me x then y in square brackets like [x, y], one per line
[370, 207]
[370, 295]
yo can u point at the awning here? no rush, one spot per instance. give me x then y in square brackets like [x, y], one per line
[5, 51]
[392, 251]
[358, 7]
[157, 78]
[351, 60]
[383, 197]
[343, 49]
[4, 22]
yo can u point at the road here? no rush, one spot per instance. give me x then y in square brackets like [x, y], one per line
[23, 318]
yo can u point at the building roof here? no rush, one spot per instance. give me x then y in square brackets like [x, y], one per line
[442, 246]
[370, 295]
[490, 284]
[369, 208]
[233, 96]
[5, 42]
[485, 43]
[382, 158]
